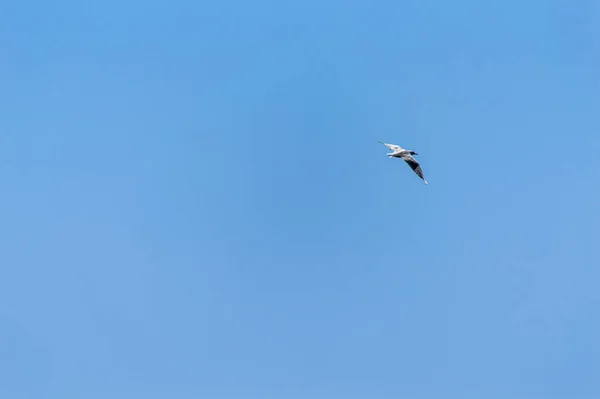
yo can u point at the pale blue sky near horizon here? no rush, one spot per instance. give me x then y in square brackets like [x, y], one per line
[194, 203]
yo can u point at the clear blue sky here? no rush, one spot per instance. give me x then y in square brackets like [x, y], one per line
[194, 203]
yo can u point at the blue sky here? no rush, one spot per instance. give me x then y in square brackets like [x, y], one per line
[194, 203]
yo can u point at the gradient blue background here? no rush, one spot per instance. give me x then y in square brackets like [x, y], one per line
[194, 203]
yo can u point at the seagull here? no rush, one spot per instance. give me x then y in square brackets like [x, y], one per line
[407, 155]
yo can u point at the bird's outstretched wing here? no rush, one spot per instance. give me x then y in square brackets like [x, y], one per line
[414, 165]
[392, 147]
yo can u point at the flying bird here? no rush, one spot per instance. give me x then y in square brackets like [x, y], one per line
[407, 155]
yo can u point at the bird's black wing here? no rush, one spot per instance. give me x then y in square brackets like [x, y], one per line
[414, 165]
